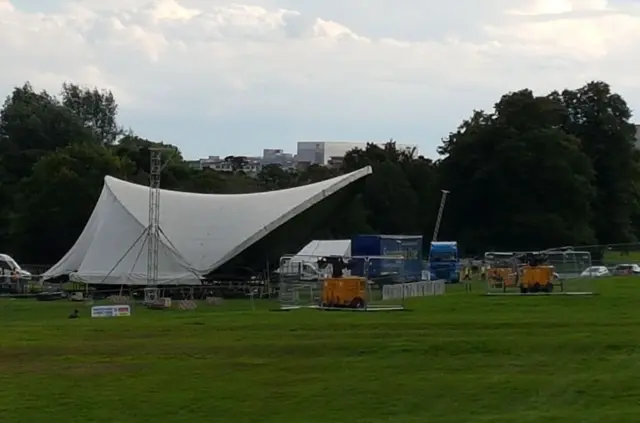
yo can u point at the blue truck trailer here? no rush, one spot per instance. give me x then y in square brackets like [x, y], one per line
[444, 261]
[408, 249]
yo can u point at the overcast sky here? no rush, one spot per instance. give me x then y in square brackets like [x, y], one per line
[221, 77]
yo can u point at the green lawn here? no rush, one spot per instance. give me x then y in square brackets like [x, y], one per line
[458, 358]
[615, 257]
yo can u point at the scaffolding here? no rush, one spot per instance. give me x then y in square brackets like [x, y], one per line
[153, 232]
[151, 236]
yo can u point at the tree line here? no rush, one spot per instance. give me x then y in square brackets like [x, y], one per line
[537, 171]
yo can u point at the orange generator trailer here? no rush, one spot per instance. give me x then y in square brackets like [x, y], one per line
[535, 275]
[346, 291]
[339, 290]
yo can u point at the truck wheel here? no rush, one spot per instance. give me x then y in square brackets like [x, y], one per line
[549, 287]
[536, 287]
[523, 289]
[357, 302]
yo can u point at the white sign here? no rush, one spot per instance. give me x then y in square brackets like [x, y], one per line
[111, 311]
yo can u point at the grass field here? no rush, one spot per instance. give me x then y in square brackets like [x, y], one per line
[613, 257]
[457, 358]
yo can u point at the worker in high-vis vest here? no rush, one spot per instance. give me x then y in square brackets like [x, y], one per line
[467, 273]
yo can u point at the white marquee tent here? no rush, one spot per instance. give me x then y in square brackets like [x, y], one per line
[202, 231]
[323, 248]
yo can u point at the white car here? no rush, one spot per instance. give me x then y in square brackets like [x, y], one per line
[626, 269]
[595, 272]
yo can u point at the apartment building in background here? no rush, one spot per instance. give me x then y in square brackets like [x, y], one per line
[331, 153]
[323, 153]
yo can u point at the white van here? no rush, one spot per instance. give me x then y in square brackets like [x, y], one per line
[305, 271]
[8, 267]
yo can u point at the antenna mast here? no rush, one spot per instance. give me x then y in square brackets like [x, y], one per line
[440, 213]
[153, 232]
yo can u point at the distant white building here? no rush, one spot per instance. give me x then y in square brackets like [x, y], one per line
[332, 152]
[276, 156]
[252, 165]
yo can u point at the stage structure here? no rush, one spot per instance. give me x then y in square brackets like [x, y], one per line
[147, 236]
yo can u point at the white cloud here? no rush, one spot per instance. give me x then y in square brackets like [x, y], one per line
[411, 62]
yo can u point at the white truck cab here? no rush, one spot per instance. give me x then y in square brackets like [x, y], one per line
[9, 267]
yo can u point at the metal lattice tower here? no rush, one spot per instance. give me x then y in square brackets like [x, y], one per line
[153, 232]
[440, 213]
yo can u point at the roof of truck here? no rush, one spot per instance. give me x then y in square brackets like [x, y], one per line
[444, 243]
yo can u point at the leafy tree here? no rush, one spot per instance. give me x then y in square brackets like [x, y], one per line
[422, 176]
[55, 201]
[96, 109]
[31, 125]
[389, 198]
[600, 119]
[138, 150]
[517, 180]
[272, 177]
[205, 181]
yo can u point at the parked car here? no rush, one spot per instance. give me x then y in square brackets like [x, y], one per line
[595, 272]
[626, 269]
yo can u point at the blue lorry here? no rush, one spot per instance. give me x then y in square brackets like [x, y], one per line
[408, 249]
[444, 262]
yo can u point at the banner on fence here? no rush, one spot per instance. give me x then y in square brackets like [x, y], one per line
[414, 289]
[111, 311]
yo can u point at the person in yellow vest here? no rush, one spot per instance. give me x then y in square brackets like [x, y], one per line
[467, 273]
[483, 271]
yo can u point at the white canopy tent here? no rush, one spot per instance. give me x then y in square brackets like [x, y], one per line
[323, 248]
[307, 257]
[201, 231]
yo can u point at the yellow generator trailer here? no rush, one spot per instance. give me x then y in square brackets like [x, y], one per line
[339, 290]
[502, 276]
[346, 291]
[536, 275]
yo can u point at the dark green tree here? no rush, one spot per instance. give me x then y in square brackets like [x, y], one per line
[32, 125]
[273, 176]
[54, 203]
[392, 203]
[600, 119]
[517, 180]
[96, 109]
